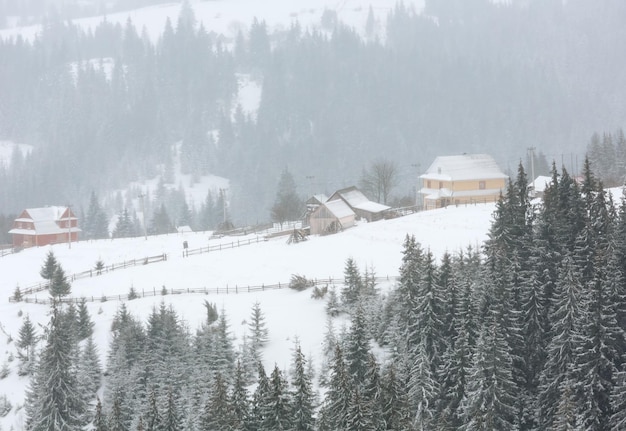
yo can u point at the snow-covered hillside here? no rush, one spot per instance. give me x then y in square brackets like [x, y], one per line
[289, 314]
[227, 17]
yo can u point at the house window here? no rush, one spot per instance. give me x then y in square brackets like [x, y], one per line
[428, 184]
[440, 184]
[481, 185]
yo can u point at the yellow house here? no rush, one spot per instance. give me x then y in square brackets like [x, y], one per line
[464, 179]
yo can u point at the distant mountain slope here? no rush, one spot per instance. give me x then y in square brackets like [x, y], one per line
[227, 17]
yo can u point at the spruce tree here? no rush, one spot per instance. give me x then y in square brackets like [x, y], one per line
[566, 418]
[287, 206]
[218, 415]
[357, 349]
[85, 325]
[489, 402]
[617, 421]
[49, 266]
[353, 284]
[260, 399]
[99, 420]
[423, 390]
[224, 354]
[258, 332]
[395, 405]
[596, 357]
[115, 419]
[54, 400]
[333, 413]
[59, 286]
[89, 369]
[303, 397]
[373, 394]
[96, 223]
[26, 342]
[357, 416]
[278, 415]
[328, 348]
[429, 328]
[152, 421]
[240, 401]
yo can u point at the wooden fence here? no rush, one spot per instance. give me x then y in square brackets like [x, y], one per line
[7, 249]
[222, 246]
[228, 290]
[43, 285]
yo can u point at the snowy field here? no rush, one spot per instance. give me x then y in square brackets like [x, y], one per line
[289, 314]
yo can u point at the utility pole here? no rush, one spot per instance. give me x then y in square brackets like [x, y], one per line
[223, 194]
[531, 150]
[310, 178]
[69, 226]
[418, 193]
[143, 215]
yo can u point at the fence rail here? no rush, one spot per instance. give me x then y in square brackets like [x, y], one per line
[222, 246]
[43, 285]
[228, 290]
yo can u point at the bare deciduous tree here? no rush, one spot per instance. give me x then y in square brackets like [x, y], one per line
[379, 179]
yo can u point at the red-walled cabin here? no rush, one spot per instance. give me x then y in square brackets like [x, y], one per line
[43, 226]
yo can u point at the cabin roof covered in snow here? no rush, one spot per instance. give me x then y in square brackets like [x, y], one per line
[464, 167]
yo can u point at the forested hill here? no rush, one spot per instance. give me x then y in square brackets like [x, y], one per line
[104, 107]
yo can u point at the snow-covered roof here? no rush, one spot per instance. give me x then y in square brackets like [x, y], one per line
[372, 207]
[541, 182]
[339, 208]
[464, 167]
[320, 198]
[357, 200]
[45, 221]
[52, 213]
[352, 196]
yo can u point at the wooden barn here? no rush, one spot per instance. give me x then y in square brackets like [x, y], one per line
[360, 204]
[43, 226]
[331, 217]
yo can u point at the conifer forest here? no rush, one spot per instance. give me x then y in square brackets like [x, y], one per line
[105, 106]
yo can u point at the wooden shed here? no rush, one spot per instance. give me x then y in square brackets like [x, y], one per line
[360, 204]
[331, 217]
